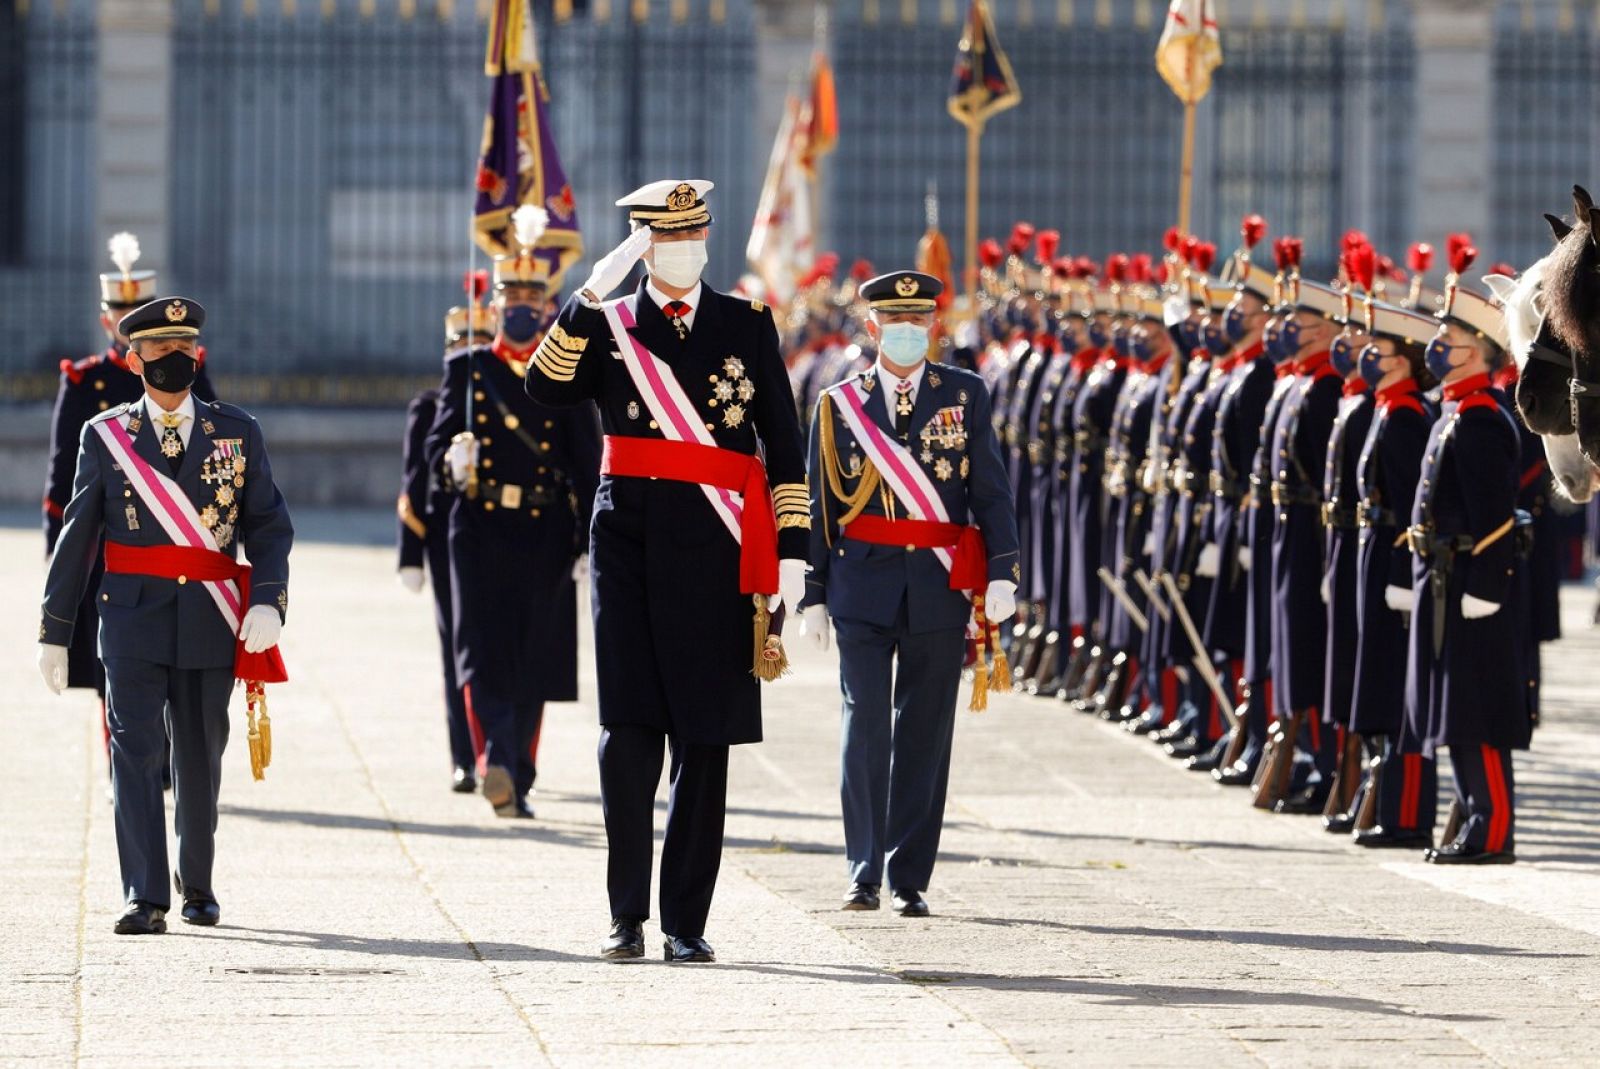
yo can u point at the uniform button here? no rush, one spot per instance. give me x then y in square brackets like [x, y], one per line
[105, 597]
[182, 579]
[486, 441]
[544, 447]
[127, 493]
[482, 418]
[104, 406]
[712, 403]
[710, 427]
[488, 506]
[549, 423]
[841, 551]
[477, 395]
[476, 375]
[535, 512]
[543, 470]
[910, 549]
[654, 425]
[488, 462]
[99, 384]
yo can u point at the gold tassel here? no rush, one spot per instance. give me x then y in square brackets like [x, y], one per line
[771, 662]
[260, 728]
[980, 667]
[1000, 679]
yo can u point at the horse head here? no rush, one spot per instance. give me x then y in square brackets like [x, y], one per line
[1568, 293]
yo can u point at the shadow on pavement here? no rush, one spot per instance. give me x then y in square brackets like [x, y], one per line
[1315, 941]
[579, 835]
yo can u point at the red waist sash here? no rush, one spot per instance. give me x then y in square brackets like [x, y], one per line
[742, 473]
[201, 565]
[970, 558]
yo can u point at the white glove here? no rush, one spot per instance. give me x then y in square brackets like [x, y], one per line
[260, 628]
[1244, 557]
[1148, 546]
[1476, 608]
[1210, 562]
[814, 626]
[612, 269]
[791, 584]
[1326, 589]
[1000, 600]
[1399, 598]
[53, 666]
[462, 456]
[411, 579]
[580, 569]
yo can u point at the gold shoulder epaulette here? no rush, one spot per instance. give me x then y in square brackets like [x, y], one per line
[756, 303]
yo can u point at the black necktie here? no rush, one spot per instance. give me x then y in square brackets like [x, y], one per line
[171, 440]
[902, 410]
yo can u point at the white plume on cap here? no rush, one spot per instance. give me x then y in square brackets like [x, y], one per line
[529, 223]
[124, 248]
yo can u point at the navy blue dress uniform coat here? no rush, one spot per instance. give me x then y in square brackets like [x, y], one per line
[1340, 495]
[95, 384]
[1063, 465]
[424, 521]
[1299, 451]
[901, 628]
[1130, 434]
[1235, 435]
[1388, 471]
[1470, 693]
[672, 631]
[512, 547]
[1091, 423]
[1256, 536]
[1191, 483]
[1021, 437]
[1039, 544]
[167, 649]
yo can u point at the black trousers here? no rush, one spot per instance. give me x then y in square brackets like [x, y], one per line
[1487, 794]
[691, 853]
[195, 703]
[1408, 783]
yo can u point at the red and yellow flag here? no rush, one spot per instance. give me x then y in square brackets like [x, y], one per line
[1190, 48]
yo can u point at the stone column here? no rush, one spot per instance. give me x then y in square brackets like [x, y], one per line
[133, 129]
[1454, 117]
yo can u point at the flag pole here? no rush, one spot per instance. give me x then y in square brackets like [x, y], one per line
[974, 135]
[1186, 181]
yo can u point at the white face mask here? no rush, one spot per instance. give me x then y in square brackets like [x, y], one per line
[678, 263]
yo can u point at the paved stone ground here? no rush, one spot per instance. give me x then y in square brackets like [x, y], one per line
[1095, 904]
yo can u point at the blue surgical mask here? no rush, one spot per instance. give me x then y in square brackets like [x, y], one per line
[1097, 334]
[904, 344]
[1141, 349]
[1068, 338]
[1288, 339]
[1189, 335]
[1211, 334]
[1120, 341]
[1438, 356]
[1343, 355]
[520, 323]
[1233, 323]
[1367, 363]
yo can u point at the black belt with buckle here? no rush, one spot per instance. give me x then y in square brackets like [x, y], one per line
[1338, 517]
[1370, 515]
[1226, 488]
[495, 494]
[1284, 494]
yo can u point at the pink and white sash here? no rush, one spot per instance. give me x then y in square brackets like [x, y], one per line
[172, 509]
[669, 406]
[894, 462]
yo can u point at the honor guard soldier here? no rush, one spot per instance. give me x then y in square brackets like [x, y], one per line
[1299, 619]
[424, 510]
[1464, 696]
[911, 516]
[1399, 799]
[1339, 496]
[176, 487]
[525, 476]
[685, 544]
[89, 387]
[1235, 434]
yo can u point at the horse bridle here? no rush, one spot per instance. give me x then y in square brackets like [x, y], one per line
[1577, 389]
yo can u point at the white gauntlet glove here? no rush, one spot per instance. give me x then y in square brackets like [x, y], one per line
[260, 629]
[580, 569]
[1476, 608]
[1326, 589]
[791, 584]
[1244, 557]
[462, 456]
[612, 269]
[814, 626]
[1399, 598]
[1210, 562]
[1000, 601]
[53, 666]
[411, 579]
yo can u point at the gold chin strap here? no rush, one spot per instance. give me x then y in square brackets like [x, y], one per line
[1494, 536]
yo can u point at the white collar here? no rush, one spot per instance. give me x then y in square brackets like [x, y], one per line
[891, 382]
[692, 299]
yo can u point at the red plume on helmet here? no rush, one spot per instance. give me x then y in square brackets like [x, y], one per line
[1387, 268]
[1139, 268]
[990, 253]
[862, 270]
[1252, 228]
[1021, 238]
[1361, 264]
[1500, 267]
[1462, 253]
[1083, 267]
[1455, 242]
[1063, 267]
[1353, 238]
[1296, 248]
[1419, 257]
[1159, 275]
[1117, 267]
[1046, 244]
[1205, 254]
[476, 283]
[1172, 240]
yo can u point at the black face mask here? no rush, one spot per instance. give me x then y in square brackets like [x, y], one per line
[172, 373]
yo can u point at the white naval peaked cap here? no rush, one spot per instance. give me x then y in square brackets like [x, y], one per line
[670, 204]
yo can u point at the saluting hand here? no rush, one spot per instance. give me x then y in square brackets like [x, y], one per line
[612, 269]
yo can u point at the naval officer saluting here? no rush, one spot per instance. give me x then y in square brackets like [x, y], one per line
[177, 486]
[684, 544]
[911, 514]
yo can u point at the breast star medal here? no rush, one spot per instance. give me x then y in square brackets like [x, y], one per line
[733, 416]
[941, 469]
[208, 516]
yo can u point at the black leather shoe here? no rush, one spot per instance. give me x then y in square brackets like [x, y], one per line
[1463, 854]
[861, 896]
[202, 912]
[1339, 823]
[1171, 733]
[1204, 762]
[1380, 837]
[909, 903]
[141, 918]
[462, 781]
[499, 791]
[1146, 723]
[682, 950]
[1306, 802]
[1238, 774]
[625, 941]
[1186, 747]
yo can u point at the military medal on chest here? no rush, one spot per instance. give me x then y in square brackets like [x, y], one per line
[733, 390]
